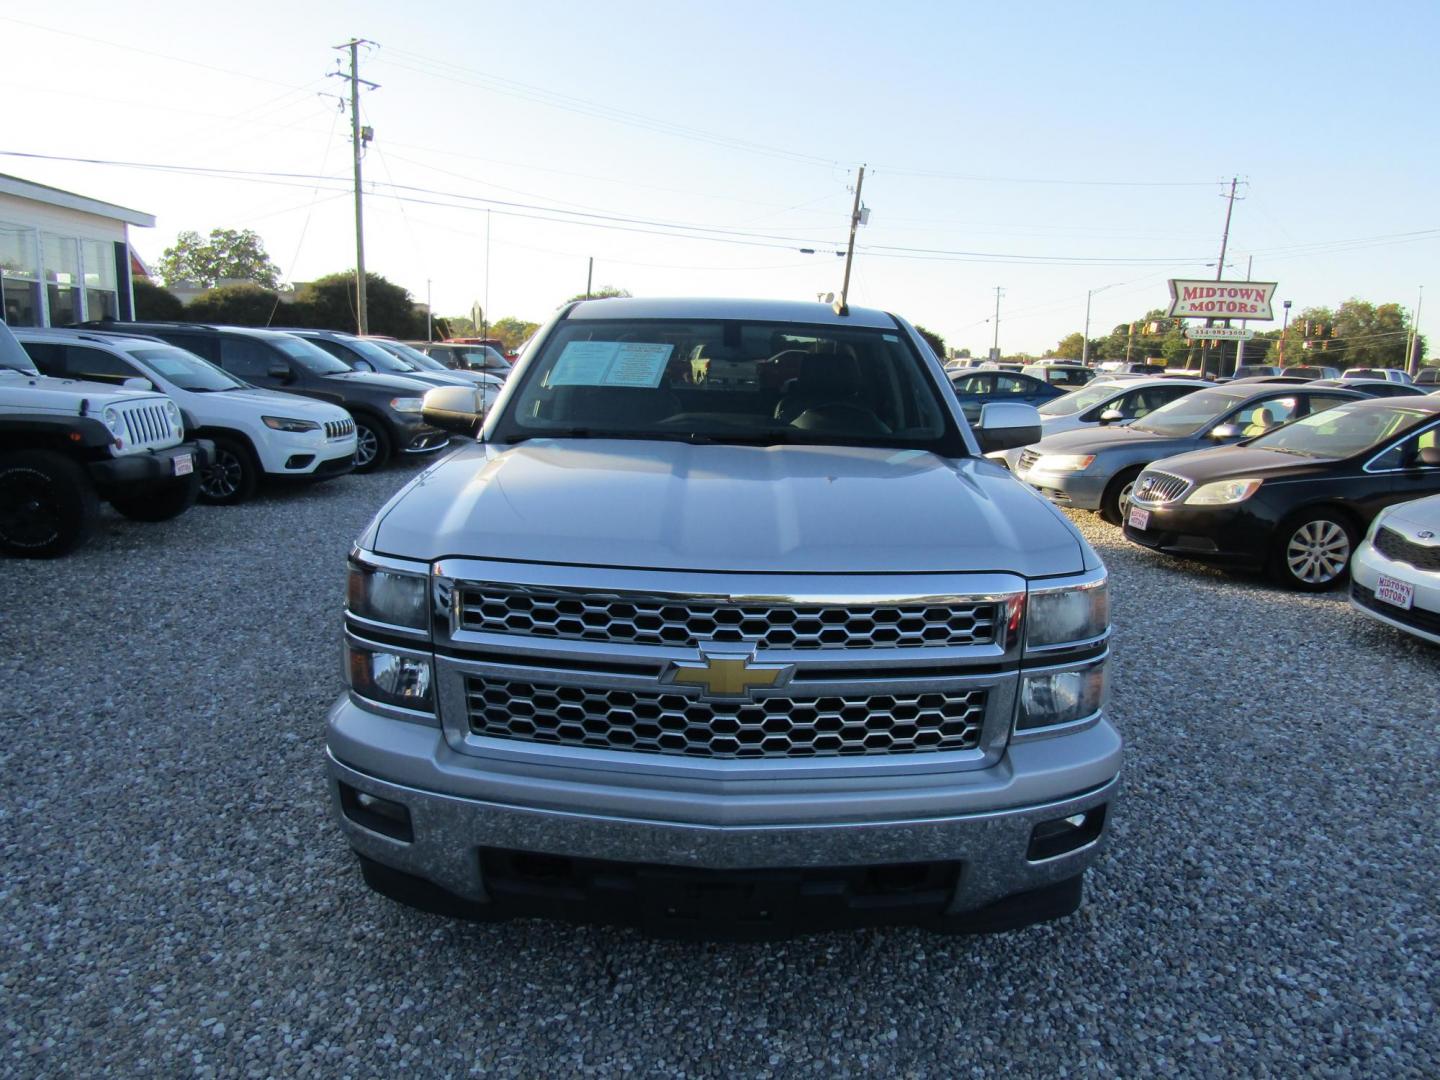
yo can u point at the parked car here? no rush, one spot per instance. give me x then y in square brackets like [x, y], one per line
[1311, 371]
[1395, 574]
[1106, 402]
[1427, 376]
[1294, 501]
[385, 408]
[256, 433]
[1095, 469]
[1374, 387]
[1130, 367]
[1252, 371]
[976, 389]
[1389, 374]
[65, 445]
[361, 354]
[1065, 376]
[470, 357]
[1284, 380]
[414, 356]
[832, 715]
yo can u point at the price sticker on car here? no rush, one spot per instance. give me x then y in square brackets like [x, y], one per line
[184, 464]
[1139, 519]
[1399, 593]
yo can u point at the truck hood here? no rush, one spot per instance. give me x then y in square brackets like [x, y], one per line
[674, 506]
[40, 393]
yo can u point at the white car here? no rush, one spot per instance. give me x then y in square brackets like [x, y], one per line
[1395, 572]
[1106, 402]
[1389, 374]
[257, 433]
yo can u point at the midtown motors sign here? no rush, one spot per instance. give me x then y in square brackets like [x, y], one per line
[1221, 299]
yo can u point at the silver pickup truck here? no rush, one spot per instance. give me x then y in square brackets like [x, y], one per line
[740, 658]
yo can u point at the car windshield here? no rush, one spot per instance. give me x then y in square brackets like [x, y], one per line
[13, 356]
[411, 356]
[310, 357]
[380, 359]
[1187, 415]
[759, 383]
[185, 369]
[1341, 432]
[1070, 404]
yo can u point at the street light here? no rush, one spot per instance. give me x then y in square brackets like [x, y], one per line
[1283, 327]
[1085, 338]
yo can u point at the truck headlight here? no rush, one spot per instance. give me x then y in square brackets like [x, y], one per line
[407, 404]
[391, 678]
[388, 597]
[114, 421]
[177, 419]
[287, 423]
[1059, 616]
[1062, 463]
[1222, 492]
[1063, 696]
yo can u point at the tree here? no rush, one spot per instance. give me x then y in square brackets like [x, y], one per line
[602, 293]
[155, 304]
[934, 340]
[328, 303]
[227, 254]
[235, 305]
[1071, 346]
[512, 331]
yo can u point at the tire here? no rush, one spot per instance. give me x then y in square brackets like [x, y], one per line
[372, 445]
[1116, 499]
[1312, 551]
[232, 477]
[48, 506]
[160, 503]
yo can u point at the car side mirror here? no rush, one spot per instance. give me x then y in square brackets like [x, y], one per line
[1225, 431]
[364, 365]
[1006, 425]
[458, 409]
[279, 371]
[137, 383]
[1429, 457]
[1111, 416]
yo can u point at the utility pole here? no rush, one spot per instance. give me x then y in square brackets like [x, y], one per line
[995, 346]
[1412, 361]
[1240, 346]
[589, 277]
[359, 137]
[1219, 275]
[429, 314]
[840, 308]
[1085, 338]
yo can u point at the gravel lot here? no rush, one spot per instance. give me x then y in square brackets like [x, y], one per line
[175, 900]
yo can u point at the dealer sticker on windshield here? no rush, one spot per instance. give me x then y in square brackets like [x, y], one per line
[611, 363]
[1139, 519]
[1399, 593]
[183, 464]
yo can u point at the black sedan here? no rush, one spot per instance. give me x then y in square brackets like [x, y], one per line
[1294, 501]
[1375, 387]
[979, 388]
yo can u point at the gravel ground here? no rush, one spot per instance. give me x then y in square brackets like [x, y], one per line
[175, 900]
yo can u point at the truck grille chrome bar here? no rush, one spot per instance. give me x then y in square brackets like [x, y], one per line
[148, 425]
[1155, 486]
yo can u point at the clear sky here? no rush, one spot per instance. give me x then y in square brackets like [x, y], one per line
[1047, 148]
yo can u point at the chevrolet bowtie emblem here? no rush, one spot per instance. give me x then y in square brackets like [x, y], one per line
[728, 674]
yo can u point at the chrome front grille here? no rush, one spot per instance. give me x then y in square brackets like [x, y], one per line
[1402, 549]
[339, 429]
[787, 725]
[690, 622]
[148, 425]
[1159, 487]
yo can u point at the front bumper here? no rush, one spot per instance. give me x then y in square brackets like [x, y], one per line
[1422, 618]
[149, 469]
[1074, 489]
[460, 807]
[1228, 536]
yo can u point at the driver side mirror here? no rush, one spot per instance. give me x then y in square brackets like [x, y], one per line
[280, 371]
[1006, 425]
[363, 365]
[1225, 431]
[1111, 416]
[137, 383]
[458, 409]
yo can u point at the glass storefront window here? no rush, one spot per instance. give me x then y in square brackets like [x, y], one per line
[62, 278]
[19, 276]
[101, 300]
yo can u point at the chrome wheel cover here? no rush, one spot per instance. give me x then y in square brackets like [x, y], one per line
[1318, 552]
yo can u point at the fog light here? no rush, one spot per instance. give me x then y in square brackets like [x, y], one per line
[1064, 835]
[384, 816]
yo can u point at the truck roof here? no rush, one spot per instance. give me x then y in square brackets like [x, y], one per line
[709, 307]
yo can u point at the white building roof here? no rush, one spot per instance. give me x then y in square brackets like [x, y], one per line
[26, 189]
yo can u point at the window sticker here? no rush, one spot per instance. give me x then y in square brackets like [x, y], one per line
[611, 363]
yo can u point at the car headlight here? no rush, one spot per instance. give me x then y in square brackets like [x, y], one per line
[407, 404]
[1060, 616]
[1062, 463]
[1222, 492]
[286, 423]
[114, 421]
[391, 678]
[1048, 698]
[176, 417]
[388, 597]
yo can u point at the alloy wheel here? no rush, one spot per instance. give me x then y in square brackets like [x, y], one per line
[1318, 552]
[222, 479]
[366, 446]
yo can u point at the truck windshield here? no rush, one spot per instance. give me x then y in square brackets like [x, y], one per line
[1187, 415]
[756, 383]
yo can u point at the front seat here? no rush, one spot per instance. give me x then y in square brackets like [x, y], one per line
[831, 379]
[1261, 422]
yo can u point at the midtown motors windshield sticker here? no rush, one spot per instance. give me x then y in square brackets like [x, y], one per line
[610, 363]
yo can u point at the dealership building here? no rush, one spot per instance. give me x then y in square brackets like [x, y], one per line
[64, 258]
